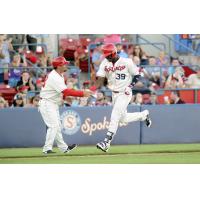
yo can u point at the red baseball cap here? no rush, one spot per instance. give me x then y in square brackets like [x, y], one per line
[60, 61]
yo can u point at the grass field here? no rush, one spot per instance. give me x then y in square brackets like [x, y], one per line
[123, 154]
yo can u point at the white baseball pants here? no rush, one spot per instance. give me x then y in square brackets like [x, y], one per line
[119, 112]
[51, 117]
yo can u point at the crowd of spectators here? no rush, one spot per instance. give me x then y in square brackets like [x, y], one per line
[25, 69]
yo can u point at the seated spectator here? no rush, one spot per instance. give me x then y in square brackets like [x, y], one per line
[100, 99]
[33, 102]
[97, 57]
[120, 50]
[176, 65]
[138, 99]
[141, 54]
[3, 103]
[153, 99]
[175, 98]
[19, 100]
[175, 81]
[5, 47]
[152, 61]
[152, 68]
[26, 80]
[162, 59]
[83, 101]
[15, 72]
[194, 80]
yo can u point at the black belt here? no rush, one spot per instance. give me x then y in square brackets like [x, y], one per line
[116, 91]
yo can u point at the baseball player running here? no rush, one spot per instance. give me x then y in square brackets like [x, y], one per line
[51, 96]
[122, 74]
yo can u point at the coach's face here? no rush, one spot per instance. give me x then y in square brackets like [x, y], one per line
[63, 68]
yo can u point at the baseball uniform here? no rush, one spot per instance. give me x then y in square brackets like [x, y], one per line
[51, 98]
[119, 78]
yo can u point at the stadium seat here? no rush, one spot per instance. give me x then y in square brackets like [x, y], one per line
[186, 95]
[198, 96]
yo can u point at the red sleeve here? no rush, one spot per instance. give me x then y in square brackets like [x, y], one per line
[72, 92]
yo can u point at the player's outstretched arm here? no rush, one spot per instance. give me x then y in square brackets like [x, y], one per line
[76, 93]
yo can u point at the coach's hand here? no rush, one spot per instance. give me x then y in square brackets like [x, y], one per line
[87, 93]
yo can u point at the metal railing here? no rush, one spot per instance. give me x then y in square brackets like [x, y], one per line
[158, 92]
[195, 53]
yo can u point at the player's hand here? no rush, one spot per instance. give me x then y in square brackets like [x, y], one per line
[87, 93]
[93, 88]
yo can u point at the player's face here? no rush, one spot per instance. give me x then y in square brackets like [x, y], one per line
[109, 58]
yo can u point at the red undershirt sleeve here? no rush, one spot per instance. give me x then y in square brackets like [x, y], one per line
[72, 92]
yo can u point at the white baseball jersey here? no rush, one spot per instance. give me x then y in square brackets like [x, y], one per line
[120, 74]
[54, 85]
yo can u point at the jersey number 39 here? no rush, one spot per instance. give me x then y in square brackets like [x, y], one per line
[120, 76]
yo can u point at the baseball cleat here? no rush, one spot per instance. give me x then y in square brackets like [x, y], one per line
[148, 121]
[104, 146]
[70, 148]
[48, 152]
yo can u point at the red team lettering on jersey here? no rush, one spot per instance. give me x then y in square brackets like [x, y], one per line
[112, 69]
[120, 74]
